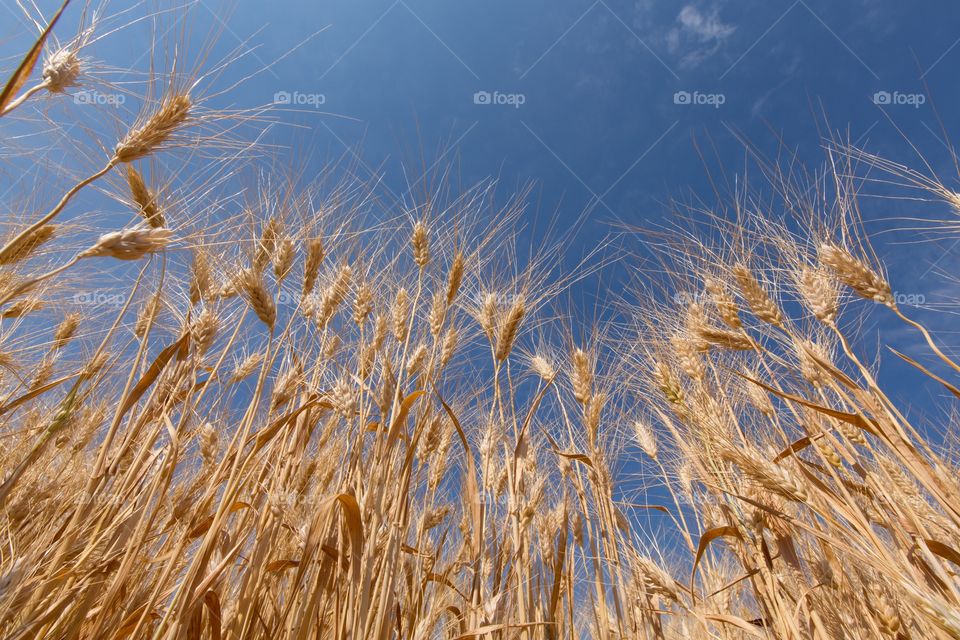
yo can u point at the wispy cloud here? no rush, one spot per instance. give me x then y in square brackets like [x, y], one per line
[698, 34]
[690, 36]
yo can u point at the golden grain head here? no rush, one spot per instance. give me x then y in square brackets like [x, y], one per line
[129, 244]
[543, 366]
[334, 295]
[643, 434]
[724, 303]
[260, 300]
[448, 346]
[510, 327]
[757, 396]
[66, 330]
[438, 314]
[62, 70]
[22, 308]
[401, 315]
[27, 245]
[286, 386]
[455, 278]
[417, 360]
[885, 609]
[687, 354]
[312, 261]
[147, 314]
[95, 365]
[820, 294]
[724, 339]
[808, 354]
[209, 441]
[144, 198]
[157, 131]
[656, 581]
[581, 375]
[756, 297]
[204, 330]
[362, 303]
[42, 371]
[489, 310]
[855, 273]
[283, 257]
[266, 246]
[245, 367]
[665, 380]
[201, 276]
[420, 240]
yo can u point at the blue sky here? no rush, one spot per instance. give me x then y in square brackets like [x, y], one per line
[597, 82]
[597, 102]
[589, 104]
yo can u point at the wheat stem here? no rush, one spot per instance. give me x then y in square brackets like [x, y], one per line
[6, 251]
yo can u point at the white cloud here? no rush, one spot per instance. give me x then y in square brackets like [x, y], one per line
[698, 35]
[707, 28]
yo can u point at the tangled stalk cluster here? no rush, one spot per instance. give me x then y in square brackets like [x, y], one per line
[307, 426]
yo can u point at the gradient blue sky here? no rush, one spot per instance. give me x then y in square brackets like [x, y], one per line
[599, 128]
[598, 82]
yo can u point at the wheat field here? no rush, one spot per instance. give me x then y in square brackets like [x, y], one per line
[266, 415]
